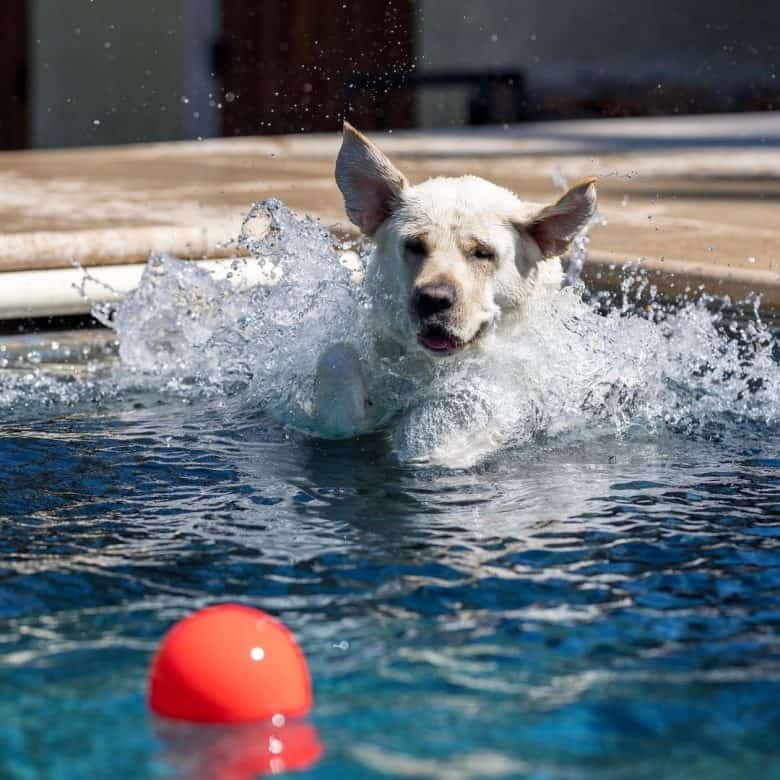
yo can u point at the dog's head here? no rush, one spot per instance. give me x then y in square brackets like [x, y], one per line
[461, 252]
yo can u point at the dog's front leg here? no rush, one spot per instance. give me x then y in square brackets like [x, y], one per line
[340, 393]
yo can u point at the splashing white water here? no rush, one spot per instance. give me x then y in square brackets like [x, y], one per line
[190, 331]
[567, 369]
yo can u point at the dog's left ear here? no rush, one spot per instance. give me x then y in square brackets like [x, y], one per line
[555, 226]
[369, 182]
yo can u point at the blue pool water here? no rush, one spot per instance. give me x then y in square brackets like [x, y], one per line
[598, 598]
[600, 609]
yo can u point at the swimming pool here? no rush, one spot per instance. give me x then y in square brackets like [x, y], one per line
[598, 600]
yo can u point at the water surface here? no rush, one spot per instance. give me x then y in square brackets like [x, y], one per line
[599, 598]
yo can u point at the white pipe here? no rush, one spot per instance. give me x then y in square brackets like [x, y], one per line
[65, 291]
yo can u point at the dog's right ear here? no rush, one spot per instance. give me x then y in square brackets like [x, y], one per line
[369, 182]
[556, 226]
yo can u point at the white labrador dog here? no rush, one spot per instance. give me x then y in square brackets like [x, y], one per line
[454, 260]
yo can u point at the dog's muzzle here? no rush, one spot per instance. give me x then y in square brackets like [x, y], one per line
[431, 307]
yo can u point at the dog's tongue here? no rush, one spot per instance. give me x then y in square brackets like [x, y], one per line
[438, 341]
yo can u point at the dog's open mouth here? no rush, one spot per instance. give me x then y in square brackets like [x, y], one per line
[437, 340]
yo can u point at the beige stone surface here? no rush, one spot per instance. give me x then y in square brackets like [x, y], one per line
[695, 198]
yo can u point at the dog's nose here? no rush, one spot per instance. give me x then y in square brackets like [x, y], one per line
[433, 298]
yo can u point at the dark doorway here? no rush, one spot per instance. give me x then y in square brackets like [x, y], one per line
[288, 65]
[13, 75]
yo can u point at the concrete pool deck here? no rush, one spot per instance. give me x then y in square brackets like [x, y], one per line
[694, 200]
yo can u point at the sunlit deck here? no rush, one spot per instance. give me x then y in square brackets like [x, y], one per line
[694, 200]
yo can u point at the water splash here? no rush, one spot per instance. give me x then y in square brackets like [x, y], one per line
[570, 369]
[196, 335]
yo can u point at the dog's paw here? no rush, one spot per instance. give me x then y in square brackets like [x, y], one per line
[340, 393]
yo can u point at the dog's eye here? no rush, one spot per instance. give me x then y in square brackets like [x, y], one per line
[484, 253]
[415, 246]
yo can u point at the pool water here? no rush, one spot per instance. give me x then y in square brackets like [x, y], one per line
[609, 609]
[598, 598]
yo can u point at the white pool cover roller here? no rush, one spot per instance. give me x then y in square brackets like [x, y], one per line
[64, 291]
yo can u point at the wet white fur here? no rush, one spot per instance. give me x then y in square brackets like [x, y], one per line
[450, 212]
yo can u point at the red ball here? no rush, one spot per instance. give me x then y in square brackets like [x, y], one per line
[229, 664]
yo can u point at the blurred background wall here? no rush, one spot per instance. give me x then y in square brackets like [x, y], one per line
[112, 71]
[608, 57]
[107, 71]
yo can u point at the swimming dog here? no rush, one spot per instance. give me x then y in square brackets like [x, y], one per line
[454, 260]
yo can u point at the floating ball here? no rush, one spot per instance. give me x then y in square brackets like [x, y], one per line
[229, 664]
